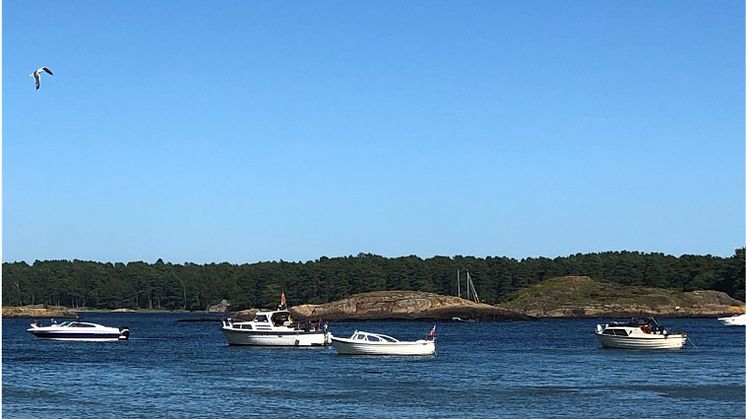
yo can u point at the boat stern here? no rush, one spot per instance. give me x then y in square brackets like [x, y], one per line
[124, 333]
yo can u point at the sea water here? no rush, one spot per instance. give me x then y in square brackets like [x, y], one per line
[542, 368]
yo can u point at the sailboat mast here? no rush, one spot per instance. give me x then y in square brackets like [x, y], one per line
[468, 288]
[471, 289]
[474, 291]
[458, 279]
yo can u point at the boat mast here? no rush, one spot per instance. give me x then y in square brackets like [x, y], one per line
[474, 291]
[458, 279]
[468, 288]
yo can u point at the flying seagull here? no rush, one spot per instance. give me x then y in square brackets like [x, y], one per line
[37, 75]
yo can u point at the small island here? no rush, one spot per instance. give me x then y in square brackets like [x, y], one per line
[582, 296]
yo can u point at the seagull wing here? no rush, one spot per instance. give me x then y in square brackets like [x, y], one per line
[37, 79]
[47, 70]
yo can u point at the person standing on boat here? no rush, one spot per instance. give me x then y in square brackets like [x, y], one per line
[431, 334]
[283, 302]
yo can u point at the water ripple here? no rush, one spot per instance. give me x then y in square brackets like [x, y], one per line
[490, 369]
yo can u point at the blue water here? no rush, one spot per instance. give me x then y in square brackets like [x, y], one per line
[548, 368]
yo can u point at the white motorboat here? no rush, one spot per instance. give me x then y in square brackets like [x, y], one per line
[643, 333]
[79, 331]
[367, 343]
[739, 320]
[459, 319]
[274, 328]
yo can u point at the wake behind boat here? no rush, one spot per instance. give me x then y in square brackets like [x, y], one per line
[79, 331]
[644, 333]
[739, 320]
[367, 343]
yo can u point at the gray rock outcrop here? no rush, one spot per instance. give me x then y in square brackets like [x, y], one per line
[409, 305]
[221, 307]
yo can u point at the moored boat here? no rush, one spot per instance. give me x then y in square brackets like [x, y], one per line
[79, 331]
[367, 343]
[643, 333]
[459, 319]
[274, 328]
[739, 320]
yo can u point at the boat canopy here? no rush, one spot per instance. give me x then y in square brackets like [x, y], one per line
[372, 337]
[635, 322]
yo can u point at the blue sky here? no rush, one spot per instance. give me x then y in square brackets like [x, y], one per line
[240, 131]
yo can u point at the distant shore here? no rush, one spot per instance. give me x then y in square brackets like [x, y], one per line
[43, 312]
[563, 297]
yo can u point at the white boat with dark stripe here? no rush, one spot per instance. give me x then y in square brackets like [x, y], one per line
[367, 343]
[274, 328]
[79, 331]
[643, 333]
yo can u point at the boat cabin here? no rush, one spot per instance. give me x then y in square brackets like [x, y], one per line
[647, 325]
[263, 320]
[616, 332]
[68, 323]
[276, 318]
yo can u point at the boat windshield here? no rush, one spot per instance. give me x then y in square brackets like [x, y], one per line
[281, 319]
[635, 322]
[372, 337]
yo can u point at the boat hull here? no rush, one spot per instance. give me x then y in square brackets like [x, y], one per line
[275, 338]
[739, 320]
[71, 335]
[349, 347]
[671, 341]
[81, 338]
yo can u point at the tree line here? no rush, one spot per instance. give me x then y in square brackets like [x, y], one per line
[190, 286]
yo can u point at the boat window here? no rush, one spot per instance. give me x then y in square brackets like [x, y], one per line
[360, 337]
[608, 332]
[261, 318]
[280, 319]
[621, 332]
[372, 338]
[246, 326]
[81, 325]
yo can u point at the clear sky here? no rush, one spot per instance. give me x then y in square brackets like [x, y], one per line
[240, 131]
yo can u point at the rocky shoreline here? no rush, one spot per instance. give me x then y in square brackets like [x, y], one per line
[39, 311]
[565, 297]
[581, 296]
[403, 305]
[44, 312]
